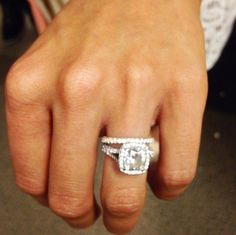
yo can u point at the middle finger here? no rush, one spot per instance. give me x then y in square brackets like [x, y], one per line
[76, 126]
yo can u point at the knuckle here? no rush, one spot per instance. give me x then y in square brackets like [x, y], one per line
[178, 179]
[14, 79]
[184, 88]
[78, 82]
[123, 202]
[181, 85]
[68, 206]
[140, 75]
[20, 83]
[30, 186]
[189, 81]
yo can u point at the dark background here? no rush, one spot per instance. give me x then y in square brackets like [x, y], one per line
[222, 79]
[207, 208]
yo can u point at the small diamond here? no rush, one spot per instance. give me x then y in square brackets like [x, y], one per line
[114, 140]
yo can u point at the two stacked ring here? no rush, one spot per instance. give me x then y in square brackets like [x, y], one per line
[133, 155]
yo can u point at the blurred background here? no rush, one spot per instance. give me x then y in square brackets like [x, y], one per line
[209, 205]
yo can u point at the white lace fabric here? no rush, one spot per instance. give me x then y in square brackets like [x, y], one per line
[217, 17]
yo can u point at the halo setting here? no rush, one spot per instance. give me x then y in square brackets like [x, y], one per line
[134, 154]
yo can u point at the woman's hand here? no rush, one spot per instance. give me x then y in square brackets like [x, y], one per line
[117, 68]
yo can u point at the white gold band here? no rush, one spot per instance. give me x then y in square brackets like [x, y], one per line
[119, 140]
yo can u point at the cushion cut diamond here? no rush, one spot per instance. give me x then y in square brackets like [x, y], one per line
[134, 158]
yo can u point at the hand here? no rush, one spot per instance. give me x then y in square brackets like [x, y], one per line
[117, 68]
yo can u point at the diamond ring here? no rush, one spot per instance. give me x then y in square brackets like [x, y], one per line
[133, 155]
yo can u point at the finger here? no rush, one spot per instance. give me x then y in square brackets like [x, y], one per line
[29, 131]
[123, 195]
[179, 129]
[73, 158]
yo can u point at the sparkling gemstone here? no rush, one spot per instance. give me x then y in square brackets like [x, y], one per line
[134, 158]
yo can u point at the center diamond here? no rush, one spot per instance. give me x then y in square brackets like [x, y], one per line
[134, 158]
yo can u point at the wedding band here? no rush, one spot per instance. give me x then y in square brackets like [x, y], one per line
[133, 155]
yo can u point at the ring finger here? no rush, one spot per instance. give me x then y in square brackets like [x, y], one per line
[123, 195]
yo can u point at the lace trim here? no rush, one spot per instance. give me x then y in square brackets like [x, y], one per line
[217, 17]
